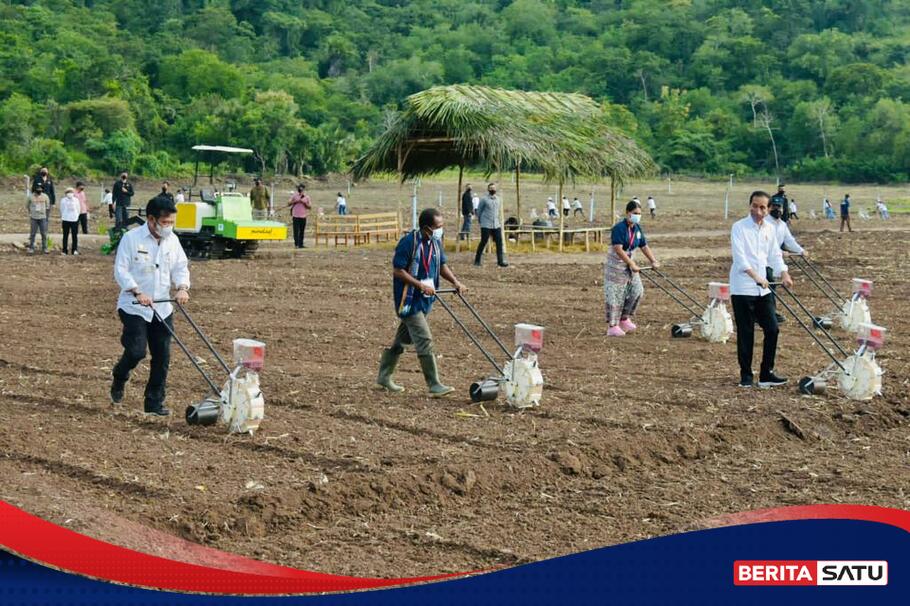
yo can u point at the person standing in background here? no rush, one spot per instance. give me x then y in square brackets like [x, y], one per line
[652, 206]
[467, 210]
[490, 225]
[300, 205]
[845, 213]
[108, 199]
[829, 210]
[341, 203]
[83, 206]
[793, 209]
[69, 213]
[37, 204]
[566, 207]
[259, 197]
[43, 179]
[780, 199]
[122, 192]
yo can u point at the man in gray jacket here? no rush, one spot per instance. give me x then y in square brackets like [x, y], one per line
[488, 217]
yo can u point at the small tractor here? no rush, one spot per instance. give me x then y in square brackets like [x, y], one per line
[220, 225]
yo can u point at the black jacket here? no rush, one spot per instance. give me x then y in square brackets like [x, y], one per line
[784, 203]
[47, 186]
[467, 204]
[122, 195]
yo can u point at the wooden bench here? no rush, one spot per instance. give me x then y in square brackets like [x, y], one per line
[591, 234]
[337, 227]
[377, 227]
[358, 229]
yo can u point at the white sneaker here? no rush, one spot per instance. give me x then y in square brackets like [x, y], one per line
[75, 252]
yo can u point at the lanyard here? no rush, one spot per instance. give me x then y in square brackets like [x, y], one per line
[426, 257]
[631, 237]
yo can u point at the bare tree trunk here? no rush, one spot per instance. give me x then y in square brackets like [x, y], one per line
[644, 87]
[460, 211]
[773, 148]
[612, 199]
[766, 120]
[821, 128]
[518, 191]
[562, 217]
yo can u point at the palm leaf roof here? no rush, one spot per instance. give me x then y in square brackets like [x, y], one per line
[562, 135]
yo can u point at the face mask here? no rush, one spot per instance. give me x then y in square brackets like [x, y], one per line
[437, 233]
[635, 219]
[492, 192]
[775, 212]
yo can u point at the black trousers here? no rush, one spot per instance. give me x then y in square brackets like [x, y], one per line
[485, 233]
[71, 227]
[83, 222]
[139, 335]
[299, 229]
[747, 310]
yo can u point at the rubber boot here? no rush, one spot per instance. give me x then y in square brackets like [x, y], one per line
[431, 374]
[387, 364]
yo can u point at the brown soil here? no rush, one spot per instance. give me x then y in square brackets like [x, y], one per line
[636, 437]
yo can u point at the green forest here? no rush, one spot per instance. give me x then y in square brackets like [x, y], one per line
[805, 89]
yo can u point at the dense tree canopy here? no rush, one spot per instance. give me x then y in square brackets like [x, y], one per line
[818, 89]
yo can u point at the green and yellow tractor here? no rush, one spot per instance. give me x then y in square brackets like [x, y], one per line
[219, 224]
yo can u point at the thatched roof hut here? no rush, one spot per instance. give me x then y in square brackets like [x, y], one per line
[564, 136]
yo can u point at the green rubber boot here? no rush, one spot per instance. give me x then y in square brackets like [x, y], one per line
[387, 364]
[431, 374]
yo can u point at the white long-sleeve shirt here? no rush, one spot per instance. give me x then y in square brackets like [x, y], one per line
[754, 247]
[70, 208]
[785, 236]
[152, 266]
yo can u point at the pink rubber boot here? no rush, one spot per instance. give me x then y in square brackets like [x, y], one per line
[615, 331]
[627, 325]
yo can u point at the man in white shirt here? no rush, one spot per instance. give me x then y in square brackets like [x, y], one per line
[652, 206]
[577, 208]
[566, 207]
[149, 261]
[109, 200]
[551, 208]
[755, 249]
[882, 209]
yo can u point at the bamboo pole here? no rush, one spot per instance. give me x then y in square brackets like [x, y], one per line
[562, 216]
[459, 212]
[502, 214]
[612, 200]
[518, 191]
[400, 185]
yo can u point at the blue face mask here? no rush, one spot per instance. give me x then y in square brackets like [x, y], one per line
[636, 219]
